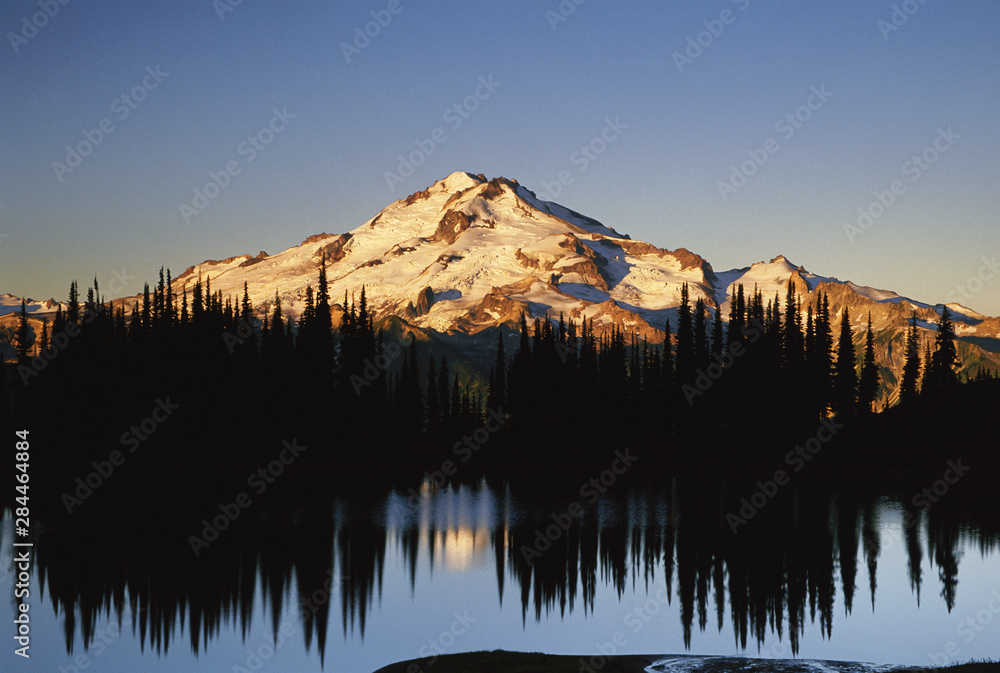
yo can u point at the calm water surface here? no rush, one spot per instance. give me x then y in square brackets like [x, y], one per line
[850, 573]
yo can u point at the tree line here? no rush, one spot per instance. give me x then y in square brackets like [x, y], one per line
[377, 396]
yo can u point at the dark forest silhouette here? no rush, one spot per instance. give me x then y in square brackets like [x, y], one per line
[371, 398]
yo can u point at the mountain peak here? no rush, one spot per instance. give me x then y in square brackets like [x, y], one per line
[460, 180]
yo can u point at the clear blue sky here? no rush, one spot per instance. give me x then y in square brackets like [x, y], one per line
[554, 88]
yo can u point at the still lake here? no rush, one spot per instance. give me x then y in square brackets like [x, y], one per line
[846, 570]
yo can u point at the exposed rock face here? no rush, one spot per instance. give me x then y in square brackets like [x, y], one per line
[317, 237]
[452, 225]
[336, 250]
[259, 258]
[495, 309]
[610, 316]
[568, 260]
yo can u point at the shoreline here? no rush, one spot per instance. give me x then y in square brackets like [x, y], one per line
[501, 661]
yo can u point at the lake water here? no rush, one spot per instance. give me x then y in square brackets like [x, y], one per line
[848, 572]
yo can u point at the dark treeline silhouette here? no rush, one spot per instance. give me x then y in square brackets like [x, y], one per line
[369, 399]
[809, 553]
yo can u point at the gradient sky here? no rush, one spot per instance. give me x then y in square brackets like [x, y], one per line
[118, 211]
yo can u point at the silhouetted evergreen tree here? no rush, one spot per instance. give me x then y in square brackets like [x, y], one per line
[685, 340]
[845, 379]
[820, 364]
[73, 305]
[911, 367]
[793, 347]
[277, 329]
[942, 370]
[869, 384]
[43, 343]
[24, 335]
[737, 316]
[718, 342]
[701, 346]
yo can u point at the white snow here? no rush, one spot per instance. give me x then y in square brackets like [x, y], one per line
[394, 257]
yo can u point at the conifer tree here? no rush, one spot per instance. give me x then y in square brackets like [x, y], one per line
[73, 306]
[246, 308]
[701, 350]
[685, 340]
[845, 380]
[59, 322]
[942, 373]
[159, 304]
[668, 359]
[926, 373]
[792, 332]
[868, 387]
[23, 336]
[822, 368]
[277, 326]
[135, 324]
[737, 316]
[810, 342]
[43, 343]
[323, 316]
[147, 312]
[911, 367]
[717, 337]
[171, 308]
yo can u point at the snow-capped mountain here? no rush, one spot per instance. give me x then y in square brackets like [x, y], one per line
[468, 255]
